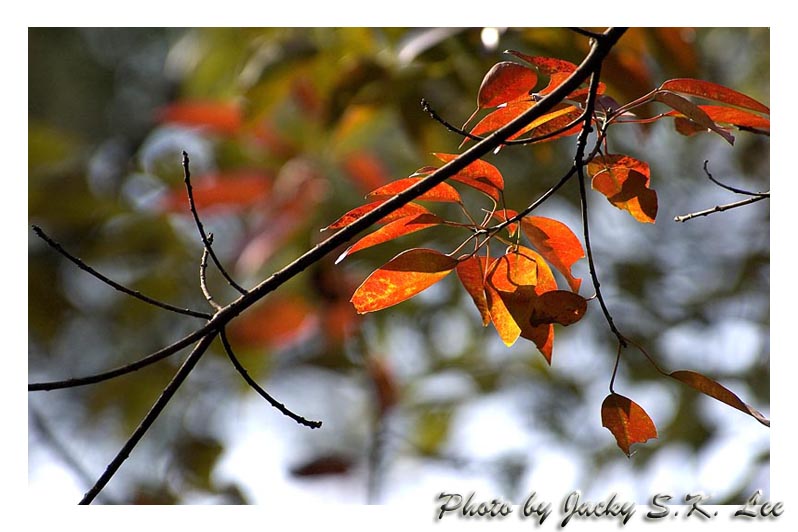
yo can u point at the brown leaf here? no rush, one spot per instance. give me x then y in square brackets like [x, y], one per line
[693, 112]
[557, 306]
[627, 421]
[713, 389]
[624, 181]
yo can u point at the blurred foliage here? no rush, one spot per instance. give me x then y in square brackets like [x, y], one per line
[288, 128]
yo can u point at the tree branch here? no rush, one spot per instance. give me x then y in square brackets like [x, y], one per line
[727, 187]
[113, 284]
[721, 208]
[263, 393]
[201, 229]
[150, 418]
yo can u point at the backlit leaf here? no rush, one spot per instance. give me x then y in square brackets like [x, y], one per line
[557, 306]
[505, 82]
[713, 91]
[440, 192]
[546, 65]
[693, 112]
[624, 180]
[401, 278]
[395, 229]
[713, 389]
[627, 421]
[507, 275]
[548, 123]
[471, 273]
[732, 117]
[408, 209]
[556, 243]
[479, 175]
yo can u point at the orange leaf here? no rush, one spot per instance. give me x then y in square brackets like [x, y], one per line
[440, 192]
[480, 175]
[220, 117]
[506, 275]
[232, 190]
[395, 229]
[471, 273]
[407, 209]
[401, 278]
[713, 91]
[544, 125]
[366, 170]
[713, 389]
[731, 116]
[693, 112]
[556, 243]
[627, 421]
[505, 82]
[504, 214]
[624, 180]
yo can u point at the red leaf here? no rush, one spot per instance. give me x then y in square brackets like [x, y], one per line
[556, 243]
[557, 306]
[510, 280]
[505, 82]
[404, 276]
[693, 112]
[219, 117]
[440, 192]
[713, 91]
[235, 189]
[731, 116]
[395, 229]
[471, 273]
[407, 209]
[480, 175]
[546, 65]
[624, 180]
[548, 123]
[627, 421]
[713, 389]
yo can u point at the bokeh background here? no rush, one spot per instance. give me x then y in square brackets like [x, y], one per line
[289, 128]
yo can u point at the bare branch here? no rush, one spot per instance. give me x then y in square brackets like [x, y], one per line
[721, 208]
[149, 419]
[202, 276]
[201, 229]
[263, 393]
[113, 284]
[727, 187]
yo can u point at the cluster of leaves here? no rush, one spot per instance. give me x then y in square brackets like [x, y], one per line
[516, 291]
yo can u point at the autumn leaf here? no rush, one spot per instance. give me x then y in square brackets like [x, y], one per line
[725, 115]
[479, 175]
[277, 322]
[471, 272]
[693, 112]
[546, 124]
[505, 82]
[713, 389]
[231, 190]
[556, 243]
[713, 91]
[401, 278]
[440, 192]
[408, 209]
[625, 182]
[627, 421]
[546, 65]
[506, 278]
[219, 117]
[558, 306]
[395, 229]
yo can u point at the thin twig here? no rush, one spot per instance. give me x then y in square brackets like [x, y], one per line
[128, 368]
[263, 393]
[721, 208]
[615, 369]
[727, 187]
[579, 162]
[587, 33]
[201, 229]
[113, 284]
[149, 419]
[202, 275]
